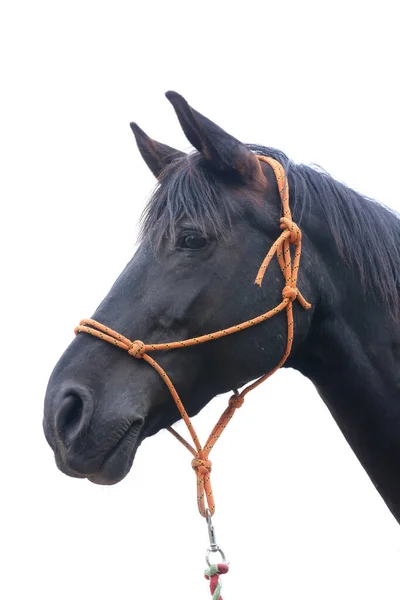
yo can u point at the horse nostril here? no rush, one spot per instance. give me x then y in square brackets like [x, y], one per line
[72, 417]
[73, 412]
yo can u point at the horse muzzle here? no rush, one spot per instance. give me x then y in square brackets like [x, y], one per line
[87, 445]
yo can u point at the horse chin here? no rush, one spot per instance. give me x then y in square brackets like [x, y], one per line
[115, 465]
[118, 462]
[65, 469]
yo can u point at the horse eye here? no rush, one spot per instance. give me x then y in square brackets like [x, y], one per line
[192, 241]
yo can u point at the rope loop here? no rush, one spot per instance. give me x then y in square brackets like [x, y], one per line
[294, 230]
[219, 569]
[137, 349]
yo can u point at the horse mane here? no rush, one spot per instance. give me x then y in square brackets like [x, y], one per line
[366, 233]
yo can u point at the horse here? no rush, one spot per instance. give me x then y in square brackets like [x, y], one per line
[204, 234]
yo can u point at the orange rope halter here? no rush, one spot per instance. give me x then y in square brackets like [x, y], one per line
[201, 464]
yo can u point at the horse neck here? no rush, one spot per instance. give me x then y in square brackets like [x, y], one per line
[352, 355]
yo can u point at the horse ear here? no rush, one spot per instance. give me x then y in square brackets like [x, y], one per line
[224, 151]
[157, 156]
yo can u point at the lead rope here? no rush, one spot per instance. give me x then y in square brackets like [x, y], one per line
[212, 573]
[291, 235]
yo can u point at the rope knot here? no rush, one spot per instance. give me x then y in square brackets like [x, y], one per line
[236, 401]
[137, 349]
[290, 292]
[294, 230]
[202, 466]
[219, 569]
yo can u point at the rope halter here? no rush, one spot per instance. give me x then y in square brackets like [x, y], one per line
[201, 464]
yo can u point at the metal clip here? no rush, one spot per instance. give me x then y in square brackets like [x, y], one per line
[213, 542]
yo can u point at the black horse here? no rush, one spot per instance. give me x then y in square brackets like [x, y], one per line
[204, 235]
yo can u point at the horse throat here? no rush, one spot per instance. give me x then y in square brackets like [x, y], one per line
[355, 365]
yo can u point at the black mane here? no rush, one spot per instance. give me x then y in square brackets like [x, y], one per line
[367, 234]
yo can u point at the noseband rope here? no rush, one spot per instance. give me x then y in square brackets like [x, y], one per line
[291, 235]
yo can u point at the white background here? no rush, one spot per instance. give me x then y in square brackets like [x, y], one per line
[299, 518]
